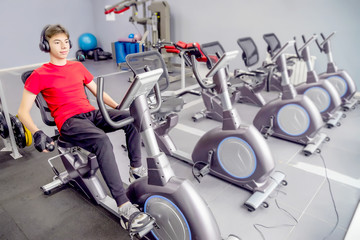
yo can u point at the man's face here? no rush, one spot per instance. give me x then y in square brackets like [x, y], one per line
[59, 46]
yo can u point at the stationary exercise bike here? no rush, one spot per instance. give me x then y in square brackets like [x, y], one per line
[273, 79]
[180, 48]
[321, 92]
[234, 152]
[243, 92]
[246, 86]
[292, 116]
[213, 108]
[342, 81]
[80, 166]
[179, 210]
[250, 91]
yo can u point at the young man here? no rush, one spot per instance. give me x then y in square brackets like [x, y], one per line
[61, 83]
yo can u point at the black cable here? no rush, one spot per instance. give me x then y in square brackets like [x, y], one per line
[256, 226]
[270, 227]
[332, 198]
[201, 173]
[287, 212]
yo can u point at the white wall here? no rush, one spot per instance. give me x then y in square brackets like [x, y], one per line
[191, 20]
[21, 22]
[226, 21]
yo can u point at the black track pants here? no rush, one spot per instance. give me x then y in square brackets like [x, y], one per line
[88, 131]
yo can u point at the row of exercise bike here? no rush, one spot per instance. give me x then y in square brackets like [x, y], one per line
[299, 113]
[234, 152]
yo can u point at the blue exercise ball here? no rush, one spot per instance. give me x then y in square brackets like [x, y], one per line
[87, 41]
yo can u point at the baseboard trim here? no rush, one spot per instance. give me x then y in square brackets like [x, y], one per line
[35, 65]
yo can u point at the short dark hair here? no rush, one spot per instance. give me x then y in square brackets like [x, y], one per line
[55, 29]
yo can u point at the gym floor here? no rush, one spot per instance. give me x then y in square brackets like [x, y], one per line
[319, 201]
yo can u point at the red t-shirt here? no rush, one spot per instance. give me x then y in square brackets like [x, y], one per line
[62, 88]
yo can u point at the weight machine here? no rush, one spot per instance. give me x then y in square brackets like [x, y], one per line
[7, 135]
[159, 18]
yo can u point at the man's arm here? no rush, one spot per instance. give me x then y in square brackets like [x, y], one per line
[26, 104]
[41, 140]
[107, 99]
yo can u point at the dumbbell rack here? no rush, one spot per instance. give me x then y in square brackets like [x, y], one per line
[10, 144]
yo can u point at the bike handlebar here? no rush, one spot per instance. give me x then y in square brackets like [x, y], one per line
[100, 101]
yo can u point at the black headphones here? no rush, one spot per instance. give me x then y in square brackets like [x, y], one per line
[44, 44]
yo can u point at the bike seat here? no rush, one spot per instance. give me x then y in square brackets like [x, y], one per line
[171, 105]
[64, 144]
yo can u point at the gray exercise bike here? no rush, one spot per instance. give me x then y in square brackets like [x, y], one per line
[235, 152]
[180, 212]
[321, 92]
[342, 81]
[292, 116]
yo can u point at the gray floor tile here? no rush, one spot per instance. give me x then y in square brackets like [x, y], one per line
[312, 228]
[9, 228]
[25, 213]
